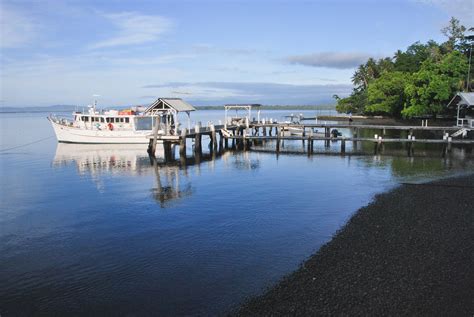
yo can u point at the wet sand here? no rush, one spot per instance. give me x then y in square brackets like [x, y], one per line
[410, 252]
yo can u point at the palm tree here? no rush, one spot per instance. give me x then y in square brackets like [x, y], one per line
[360, 77]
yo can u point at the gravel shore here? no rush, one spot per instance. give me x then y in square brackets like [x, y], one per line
[410, 252]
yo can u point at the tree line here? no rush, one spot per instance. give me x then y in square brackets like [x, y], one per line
[419, 81]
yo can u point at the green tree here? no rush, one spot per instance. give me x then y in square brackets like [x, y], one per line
[434, 85]
[355, 103]
[454, 31]
[386, 95]
[411, 59]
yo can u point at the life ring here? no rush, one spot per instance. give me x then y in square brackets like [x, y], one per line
[110, 126]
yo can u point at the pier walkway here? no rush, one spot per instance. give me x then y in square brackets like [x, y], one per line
[245, 135]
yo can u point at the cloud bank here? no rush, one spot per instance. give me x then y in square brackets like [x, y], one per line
[261, 92]
[329, 59]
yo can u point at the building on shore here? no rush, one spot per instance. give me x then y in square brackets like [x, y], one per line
[464, 101]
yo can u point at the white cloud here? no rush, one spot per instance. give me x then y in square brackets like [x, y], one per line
[135, 28]
[262, 92]
[16, 28]
[329, 59]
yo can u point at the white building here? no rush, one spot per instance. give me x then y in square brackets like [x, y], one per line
[464, 101]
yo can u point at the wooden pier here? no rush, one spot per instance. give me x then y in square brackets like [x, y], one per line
[246, 135]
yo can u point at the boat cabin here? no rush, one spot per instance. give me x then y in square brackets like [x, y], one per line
[464, 101]
[163, 111]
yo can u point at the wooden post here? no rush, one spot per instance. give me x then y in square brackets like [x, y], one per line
[182, 143]
[278, 141]
[197, 139]
[213, 137]
[343, 145]
[150, 147]
[155, 137]
[309, 144]
[304, 135]
[410, 149]
[221, 140]
[167, 149]
[327, 134]
[246, 140]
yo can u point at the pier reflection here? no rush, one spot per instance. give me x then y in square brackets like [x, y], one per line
[171, 174]
[171, 182]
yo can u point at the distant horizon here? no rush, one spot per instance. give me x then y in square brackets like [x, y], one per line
[65, 108]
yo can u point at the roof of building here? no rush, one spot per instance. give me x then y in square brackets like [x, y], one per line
[177, 104]
[465, 99]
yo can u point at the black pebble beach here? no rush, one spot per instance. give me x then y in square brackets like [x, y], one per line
[409, 252]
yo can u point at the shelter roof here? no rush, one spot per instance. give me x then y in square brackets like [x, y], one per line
[177, 104]
[465, 99]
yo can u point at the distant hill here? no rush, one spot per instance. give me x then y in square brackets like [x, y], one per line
[71, 108]
[278, 107]
[54, 108]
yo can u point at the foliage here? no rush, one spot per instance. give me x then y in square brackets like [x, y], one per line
[410, 60]
[417, 81]
[386, 95]
[355, 103]
[434, 85]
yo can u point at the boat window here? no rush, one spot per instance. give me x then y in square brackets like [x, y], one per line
[143, 123]
[122, 120]
[102, 119]
[85, 119]
[127, 120]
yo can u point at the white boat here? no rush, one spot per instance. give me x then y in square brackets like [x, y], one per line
[130, 126]
[293, 119]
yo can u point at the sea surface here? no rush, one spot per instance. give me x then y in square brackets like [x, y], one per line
[104, 230]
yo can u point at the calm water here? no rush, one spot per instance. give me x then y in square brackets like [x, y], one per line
[100, 230]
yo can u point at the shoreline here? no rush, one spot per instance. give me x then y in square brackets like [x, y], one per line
[409, 252]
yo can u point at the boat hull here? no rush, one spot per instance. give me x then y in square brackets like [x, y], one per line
[69, 134]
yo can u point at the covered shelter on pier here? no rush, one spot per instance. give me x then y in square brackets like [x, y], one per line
[464, 101]
[168, 109]
[239, 119]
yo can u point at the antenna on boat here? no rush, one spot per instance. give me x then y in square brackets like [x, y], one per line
[95, 101]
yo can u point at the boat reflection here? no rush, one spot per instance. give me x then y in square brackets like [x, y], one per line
[172, 179]
[96, 160]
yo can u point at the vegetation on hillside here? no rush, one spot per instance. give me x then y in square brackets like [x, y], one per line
[417, 82]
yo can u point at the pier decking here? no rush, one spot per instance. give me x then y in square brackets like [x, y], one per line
[244, 135]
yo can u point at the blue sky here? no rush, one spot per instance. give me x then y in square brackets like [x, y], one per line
[207, 52]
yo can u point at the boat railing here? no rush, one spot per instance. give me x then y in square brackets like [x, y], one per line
[61, 121]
